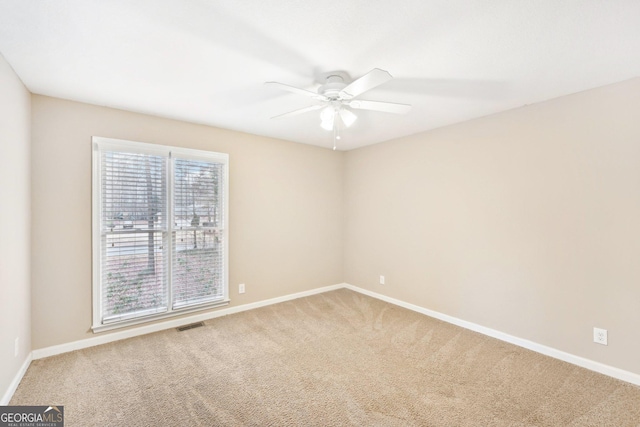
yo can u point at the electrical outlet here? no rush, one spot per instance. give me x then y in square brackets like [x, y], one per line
[241, 288]
[16, 347]
[382, 280]
[600, 336]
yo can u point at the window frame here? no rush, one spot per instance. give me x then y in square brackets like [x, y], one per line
[98, 145]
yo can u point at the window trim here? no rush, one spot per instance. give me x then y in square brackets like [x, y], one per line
[98, 325]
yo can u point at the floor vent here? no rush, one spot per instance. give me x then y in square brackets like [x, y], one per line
[191, 326]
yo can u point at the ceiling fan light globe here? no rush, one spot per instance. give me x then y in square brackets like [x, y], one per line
[327, 113]
[327, 124]
[347, 117]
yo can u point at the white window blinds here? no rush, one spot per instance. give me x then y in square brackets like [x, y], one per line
[198, 268]
[159, 231]
[133, 231]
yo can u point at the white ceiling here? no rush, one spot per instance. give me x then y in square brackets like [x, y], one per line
[206, 61]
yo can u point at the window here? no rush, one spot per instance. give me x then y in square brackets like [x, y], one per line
[159, 231]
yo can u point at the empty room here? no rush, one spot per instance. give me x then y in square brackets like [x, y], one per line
[296, 213]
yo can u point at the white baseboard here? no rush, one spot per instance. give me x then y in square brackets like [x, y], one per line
[16, 381]
[611, 371]
[155, 327]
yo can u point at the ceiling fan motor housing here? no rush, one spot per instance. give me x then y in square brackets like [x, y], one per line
[332, 87]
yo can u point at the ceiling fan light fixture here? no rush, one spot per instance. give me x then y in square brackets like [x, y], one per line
[327, 124]
[327, 117]
[347, 117]
[327, 113]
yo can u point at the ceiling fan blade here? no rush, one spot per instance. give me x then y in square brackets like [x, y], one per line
[299, 111]
[297, 90]
[370, 80]
[386, 107]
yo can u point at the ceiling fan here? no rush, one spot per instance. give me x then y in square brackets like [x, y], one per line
[337, 96]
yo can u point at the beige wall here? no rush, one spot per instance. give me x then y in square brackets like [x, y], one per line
[15, 183]
[527, 222]
[285, 210]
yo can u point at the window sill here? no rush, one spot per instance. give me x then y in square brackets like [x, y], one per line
[153, 317]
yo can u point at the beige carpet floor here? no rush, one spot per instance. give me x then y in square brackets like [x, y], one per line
[338, 358]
